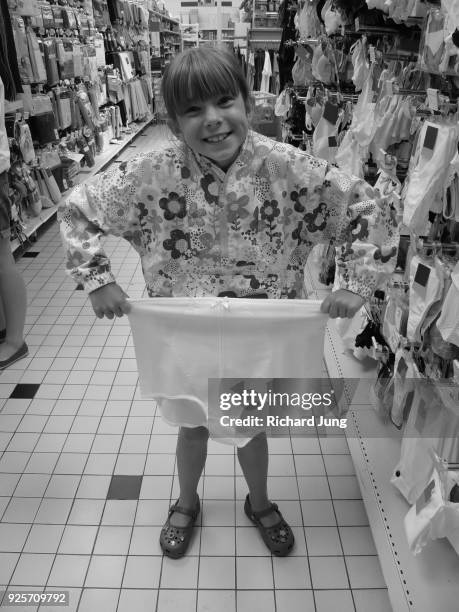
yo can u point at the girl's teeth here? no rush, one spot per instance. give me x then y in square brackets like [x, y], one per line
[218, 139]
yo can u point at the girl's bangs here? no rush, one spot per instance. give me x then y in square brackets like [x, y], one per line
[202, 81]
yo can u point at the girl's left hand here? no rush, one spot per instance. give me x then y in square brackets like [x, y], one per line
[342, 303]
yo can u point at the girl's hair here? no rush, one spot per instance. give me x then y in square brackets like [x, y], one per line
[199, 74]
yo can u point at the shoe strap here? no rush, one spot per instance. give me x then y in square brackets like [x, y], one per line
[191, 513]
[269, 510]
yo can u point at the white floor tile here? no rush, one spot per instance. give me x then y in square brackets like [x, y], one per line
[78, 540]
[136, 599]
[221, 600]
[255, 601]
[291, 573]
[13, 536]
[328, 573]
[171, 600]
[326, 601]
[99, 599]
[365, 572]
[142, 572]
[254, 573]
[112, 540]
[44, 538]
[295, 600]
[105, 571]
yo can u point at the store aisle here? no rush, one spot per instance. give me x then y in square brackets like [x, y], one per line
[87, 473]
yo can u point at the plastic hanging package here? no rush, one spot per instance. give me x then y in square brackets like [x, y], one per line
[36, 58]
[427, 426]
[22, 49]
[434, 515]
[433, 43]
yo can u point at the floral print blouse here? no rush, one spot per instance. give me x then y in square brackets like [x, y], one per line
[200, 231]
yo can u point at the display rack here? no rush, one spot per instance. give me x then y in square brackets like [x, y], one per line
[169, 35]
[420, 583]
[103, 159]
[264, 38]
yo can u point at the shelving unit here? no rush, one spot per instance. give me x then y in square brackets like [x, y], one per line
[102, 160]
[169, 35]
[264, 37]
[420, 583]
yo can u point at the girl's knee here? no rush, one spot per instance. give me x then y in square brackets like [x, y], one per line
[194, 433]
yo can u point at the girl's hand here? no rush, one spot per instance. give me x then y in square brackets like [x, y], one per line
[109, 300]
[342, 303]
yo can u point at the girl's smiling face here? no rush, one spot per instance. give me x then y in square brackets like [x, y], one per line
[216, 127]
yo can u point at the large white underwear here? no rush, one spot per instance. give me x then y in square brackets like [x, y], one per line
[180, 343]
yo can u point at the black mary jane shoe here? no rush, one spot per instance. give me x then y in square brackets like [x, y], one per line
[174, 541]
[279, 537]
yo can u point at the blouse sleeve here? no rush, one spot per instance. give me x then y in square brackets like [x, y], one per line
[100, 207]
[347, 210]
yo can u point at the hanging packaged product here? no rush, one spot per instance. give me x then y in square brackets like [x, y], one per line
[101, 14]
[100, 50]
[58, 18]
[43, 124]
[437, 145]
[51, 185]
[448, 323]
[24, 139]
[125, 63]
[48, 17]
[77, 59]
[43, 190]
[433, 515]
[405, 376]
[22, 50]
[22, 173]
[68, 16]
[26, 98]
[89, 62]
[433, 44]
[64, 113]
[85, 109]
[26, 8]
[52, 72]
[36, 57]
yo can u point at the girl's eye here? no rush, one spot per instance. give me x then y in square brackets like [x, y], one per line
[191, 109]
[226, 100]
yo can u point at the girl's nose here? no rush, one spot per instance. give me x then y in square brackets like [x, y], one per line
[212, 116]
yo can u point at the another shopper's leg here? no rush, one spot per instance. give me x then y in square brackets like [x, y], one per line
[2, 321]
[14, 302]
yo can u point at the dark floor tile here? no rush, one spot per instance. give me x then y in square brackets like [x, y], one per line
[124, 487]
[24, 391]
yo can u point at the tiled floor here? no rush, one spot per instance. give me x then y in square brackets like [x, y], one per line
[87, 472]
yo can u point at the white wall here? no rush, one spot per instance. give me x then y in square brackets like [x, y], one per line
[207, 15]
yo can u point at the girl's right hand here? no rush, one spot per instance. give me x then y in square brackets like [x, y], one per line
[109, 301]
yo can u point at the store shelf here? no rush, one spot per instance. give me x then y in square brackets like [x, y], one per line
[420, 583]
[163, 16]
[102, 160]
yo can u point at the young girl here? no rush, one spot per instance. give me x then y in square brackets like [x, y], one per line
[225, 211]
